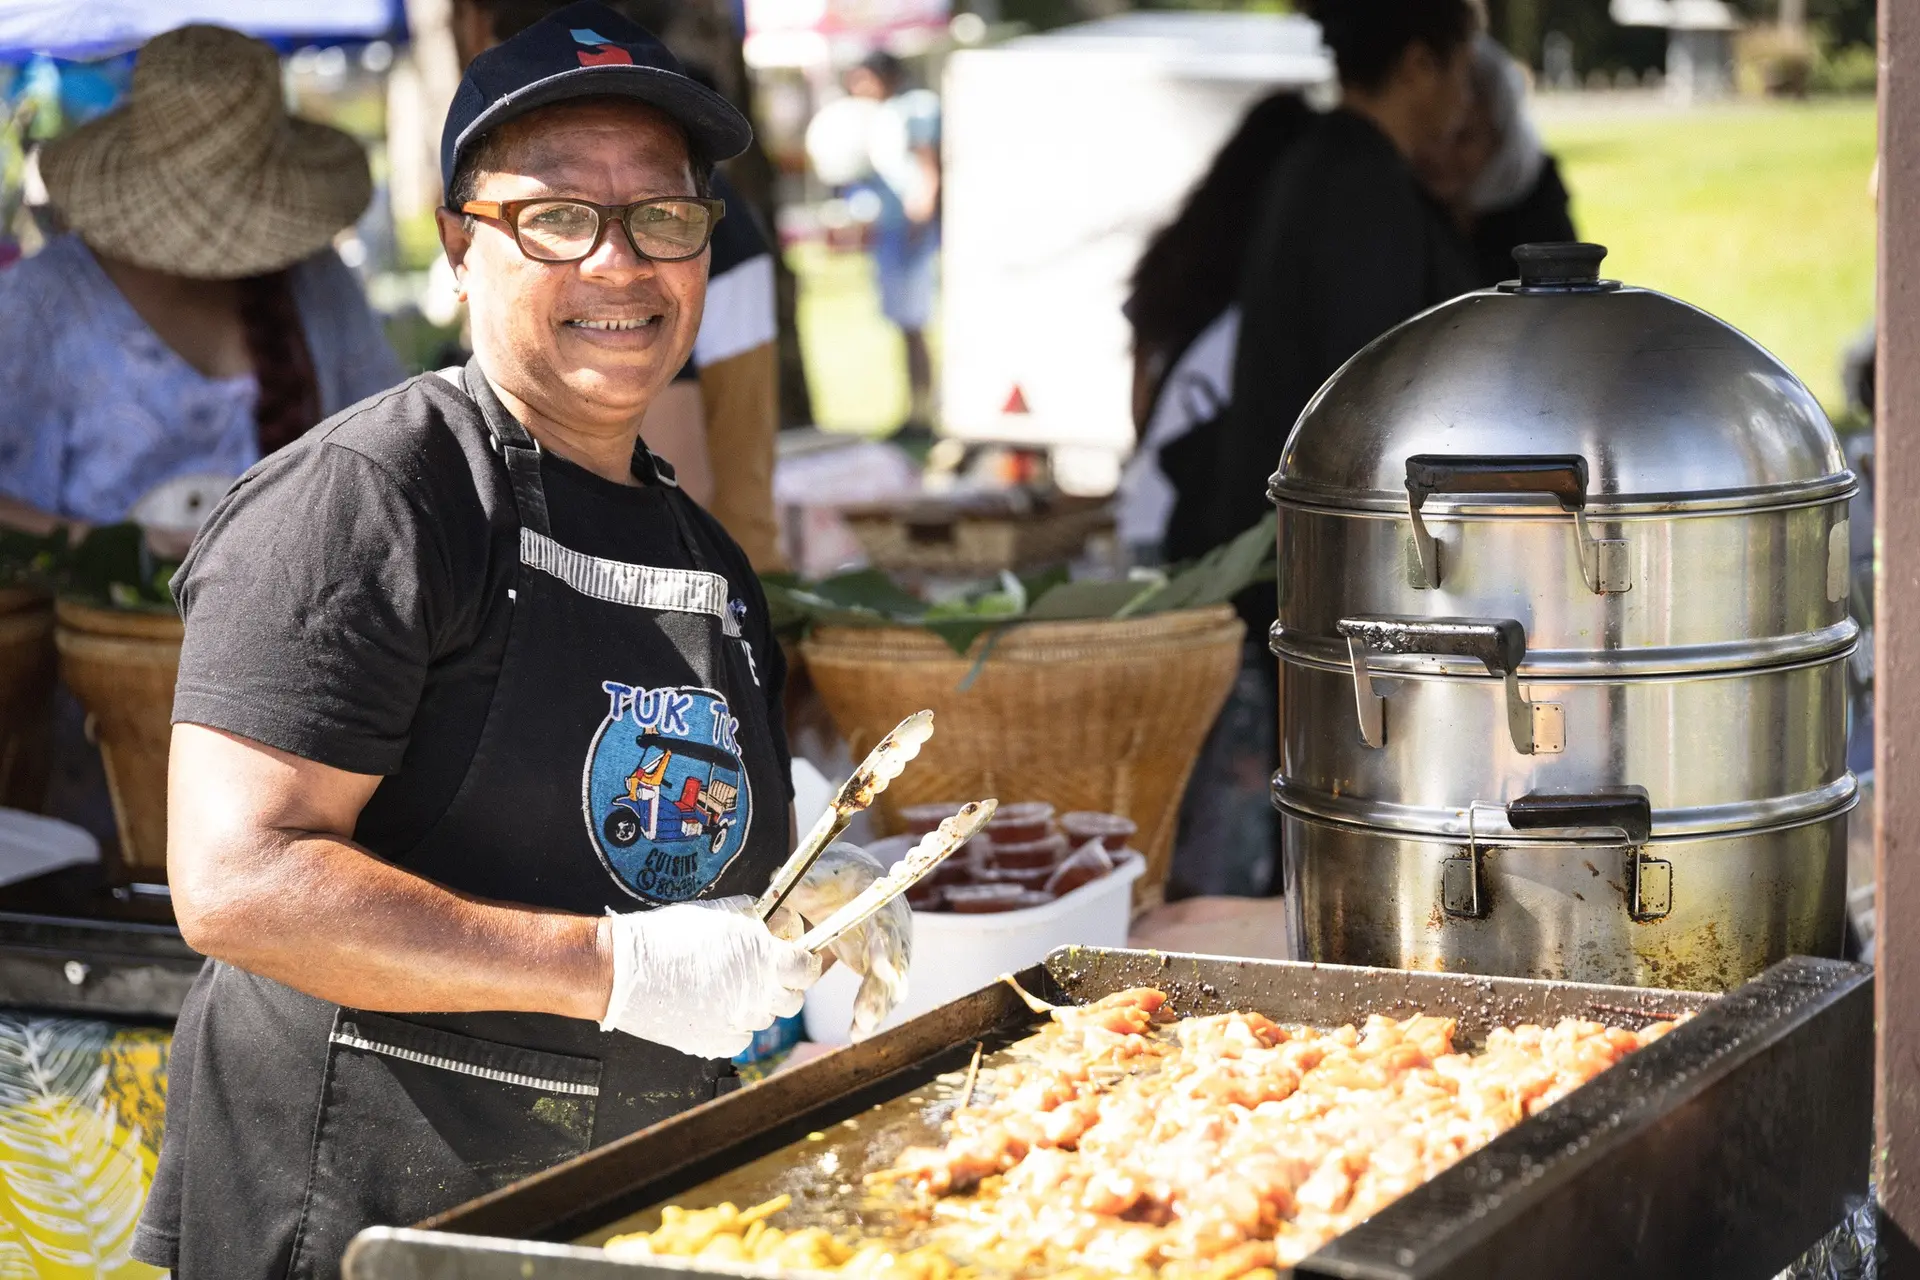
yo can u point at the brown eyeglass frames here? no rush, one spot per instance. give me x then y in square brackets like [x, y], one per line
[664, 228]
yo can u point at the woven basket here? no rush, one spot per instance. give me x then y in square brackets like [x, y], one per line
[1106, 715]
[26, 697]
[122, 666]
[972, 543]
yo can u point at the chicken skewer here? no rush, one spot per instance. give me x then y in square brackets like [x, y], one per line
[883, 764]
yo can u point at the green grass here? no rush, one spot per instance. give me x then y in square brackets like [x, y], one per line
[1757, 212]
[856, 363]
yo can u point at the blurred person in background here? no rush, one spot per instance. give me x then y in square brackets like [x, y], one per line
[192, 319]
[1343, 244]
[1185, 325]
[1347, 243]
[1492, 172]
[718, 422]
[195, 318]
[904, 149]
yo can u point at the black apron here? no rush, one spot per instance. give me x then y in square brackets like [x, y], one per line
[626, 762]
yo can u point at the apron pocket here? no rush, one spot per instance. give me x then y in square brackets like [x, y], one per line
[415, 1119]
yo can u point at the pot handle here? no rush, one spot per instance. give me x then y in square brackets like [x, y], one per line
[1562, 476]
[1500, 644]
[1627, 810]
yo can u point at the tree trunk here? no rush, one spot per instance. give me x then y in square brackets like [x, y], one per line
[701, 34]
[1521, 31]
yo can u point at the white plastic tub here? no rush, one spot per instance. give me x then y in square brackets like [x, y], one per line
[954, 954]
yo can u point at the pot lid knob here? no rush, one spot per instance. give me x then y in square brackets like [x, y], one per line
[1564, 265]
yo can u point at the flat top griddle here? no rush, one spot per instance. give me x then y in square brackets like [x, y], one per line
[1725, 1148]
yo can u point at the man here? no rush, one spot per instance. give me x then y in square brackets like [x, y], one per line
[1347, 243]
[718, 422]
[905, 153]
[427, 647]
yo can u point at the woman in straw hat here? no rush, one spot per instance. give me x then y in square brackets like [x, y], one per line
[196, 318]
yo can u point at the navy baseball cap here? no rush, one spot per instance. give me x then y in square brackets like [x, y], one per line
[585, 50]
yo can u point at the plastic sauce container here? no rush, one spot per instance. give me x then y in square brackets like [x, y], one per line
[1027, 855]
[1020, 823]
[1110, 829]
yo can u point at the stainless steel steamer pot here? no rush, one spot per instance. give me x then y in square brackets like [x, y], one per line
[1699, 913]
[1714, 749]
[1620, 472]
[1549, 550]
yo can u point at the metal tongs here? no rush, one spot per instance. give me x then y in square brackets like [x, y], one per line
[882, 765]
[934, 848]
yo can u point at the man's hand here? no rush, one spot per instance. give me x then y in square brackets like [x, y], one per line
[702, 977]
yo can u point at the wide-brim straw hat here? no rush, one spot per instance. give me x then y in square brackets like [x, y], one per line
[203, 173]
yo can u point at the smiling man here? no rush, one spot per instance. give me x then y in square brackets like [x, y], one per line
[477, 715]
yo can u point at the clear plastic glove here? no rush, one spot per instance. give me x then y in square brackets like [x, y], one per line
[702, 977]
[879, 950]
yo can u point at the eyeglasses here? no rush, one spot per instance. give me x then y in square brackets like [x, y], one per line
[665, 228]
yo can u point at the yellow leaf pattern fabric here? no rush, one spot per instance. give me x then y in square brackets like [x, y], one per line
[82, 1104]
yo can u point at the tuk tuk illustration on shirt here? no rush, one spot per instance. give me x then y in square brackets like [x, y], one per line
[702, 811]
[667, 798]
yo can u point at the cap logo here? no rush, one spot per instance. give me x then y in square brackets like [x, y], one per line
[599, 51]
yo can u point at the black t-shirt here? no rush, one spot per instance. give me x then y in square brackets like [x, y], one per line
[1346, 245]
[347, 600]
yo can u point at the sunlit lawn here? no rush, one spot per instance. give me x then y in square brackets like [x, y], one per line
[856, 364]
[1757, 212]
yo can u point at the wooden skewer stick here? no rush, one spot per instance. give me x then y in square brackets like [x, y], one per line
[1027, 997]
[973, 1076]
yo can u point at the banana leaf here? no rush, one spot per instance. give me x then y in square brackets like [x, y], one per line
[111, 567]
[869, 597]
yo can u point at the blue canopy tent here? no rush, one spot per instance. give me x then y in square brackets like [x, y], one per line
[87, 29]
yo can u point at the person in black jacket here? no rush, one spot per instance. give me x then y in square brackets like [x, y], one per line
[1348, 243]
[1492, 172]
[1185, 325]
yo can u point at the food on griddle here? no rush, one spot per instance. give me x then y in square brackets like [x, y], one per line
[726, 1233]
[1110, 829]
[1227, 1145]
[1119, 1142]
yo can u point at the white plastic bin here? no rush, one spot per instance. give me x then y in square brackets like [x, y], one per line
[954, 954]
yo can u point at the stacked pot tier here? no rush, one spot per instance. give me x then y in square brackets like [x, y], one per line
[1563, 629]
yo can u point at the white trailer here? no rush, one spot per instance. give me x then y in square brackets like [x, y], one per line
[1063, 153]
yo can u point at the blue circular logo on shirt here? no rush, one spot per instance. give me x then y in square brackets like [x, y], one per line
[665, 792]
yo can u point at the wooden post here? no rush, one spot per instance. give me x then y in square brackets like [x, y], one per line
[1897, 644]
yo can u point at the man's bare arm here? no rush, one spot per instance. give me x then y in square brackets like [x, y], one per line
[265, 876]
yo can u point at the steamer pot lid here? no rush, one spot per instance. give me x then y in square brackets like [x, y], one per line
[1662, 401]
